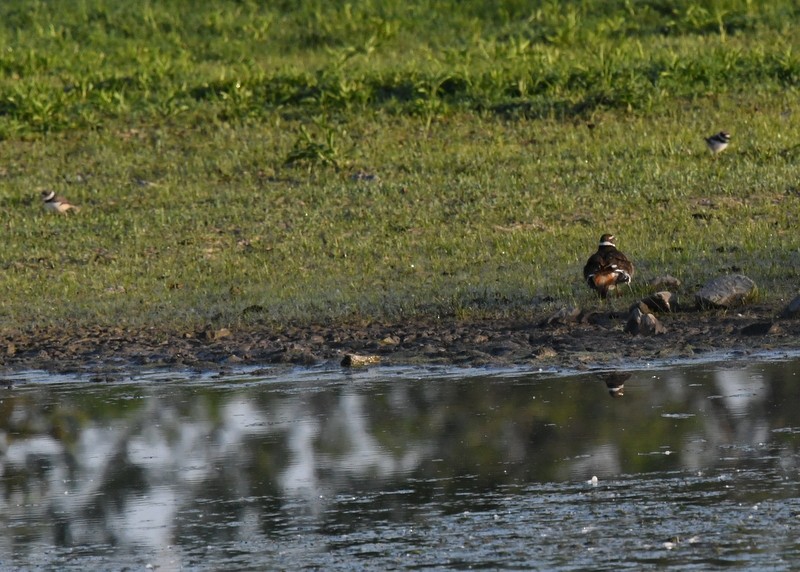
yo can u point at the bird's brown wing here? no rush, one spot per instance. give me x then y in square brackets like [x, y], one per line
[593, 265]
[616, 258]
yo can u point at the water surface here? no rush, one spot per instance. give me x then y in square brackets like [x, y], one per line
[696, 467]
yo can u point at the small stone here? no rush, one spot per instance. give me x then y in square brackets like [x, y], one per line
[725, 291]
[665, 281]
[390, 341]
[353, 360]
[502, 348]
[221, 333]
[793, 309]
[564, 315]
[651, 326]
[210, 334]
[301, 357]
[546, 353]
[604, 319]
[659, 302]
[641, 324]
[759, 329]
[634, 323]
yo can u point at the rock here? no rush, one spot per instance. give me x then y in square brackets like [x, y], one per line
[390, 340]
[759, 329]
[563, 316]
[634, 323]
[299, 357]
[211, 334]
[641, 324]
[651, 326]
[222, 333]
[603, 319]
[353, 360]
[665, 281]
[793, 309]
[502, 348]
[725, 291]
[658, 302]
[546, 353]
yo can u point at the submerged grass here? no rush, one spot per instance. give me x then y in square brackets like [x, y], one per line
[316, 161]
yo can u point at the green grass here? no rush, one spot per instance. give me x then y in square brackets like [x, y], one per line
[215, 150]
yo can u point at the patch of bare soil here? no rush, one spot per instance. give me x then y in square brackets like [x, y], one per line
[574, 340]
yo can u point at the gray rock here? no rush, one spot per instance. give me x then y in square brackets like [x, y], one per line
[759, 329]
[564, 315]
[665, 281]
[658, 302]
[651, 326]
[353, 360]
[793, 309]
[641, 324]
[725, 291]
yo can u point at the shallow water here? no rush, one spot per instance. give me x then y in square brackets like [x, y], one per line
[696, 467]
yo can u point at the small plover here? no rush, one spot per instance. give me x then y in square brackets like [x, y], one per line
[57, 204]
[607, 267]
[719, 142]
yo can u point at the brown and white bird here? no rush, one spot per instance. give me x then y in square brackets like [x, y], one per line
[607, 267]
[53, 202]
[719, 142]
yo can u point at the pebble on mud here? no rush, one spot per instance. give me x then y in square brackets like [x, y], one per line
[665, 281]
[563, 316]
[792, 310]
[212, 334]
[659, 302]
[759, 329]
[546, 353]
[353, 360]
[641, 324]
[725, 291]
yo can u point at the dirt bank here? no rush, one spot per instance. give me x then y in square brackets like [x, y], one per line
[591, 338]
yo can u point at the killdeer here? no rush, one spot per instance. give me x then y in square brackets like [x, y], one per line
[58, 204]
[607, 267]
[718, 142]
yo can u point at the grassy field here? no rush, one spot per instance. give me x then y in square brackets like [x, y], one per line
[313, 161]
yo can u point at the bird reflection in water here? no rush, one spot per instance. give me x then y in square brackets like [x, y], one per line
[615, 382]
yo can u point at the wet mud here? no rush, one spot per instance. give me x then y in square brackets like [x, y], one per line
[575, 339]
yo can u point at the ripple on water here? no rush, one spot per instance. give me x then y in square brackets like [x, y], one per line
[693, 467]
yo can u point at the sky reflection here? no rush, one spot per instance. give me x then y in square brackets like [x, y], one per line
[155, 470]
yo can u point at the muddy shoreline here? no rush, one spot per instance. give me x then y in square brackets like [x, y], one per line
[592, 338]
